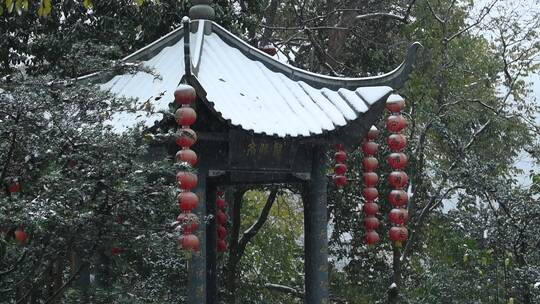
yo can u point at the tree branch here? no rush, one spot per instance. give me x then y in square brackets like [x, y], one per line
[252, 231]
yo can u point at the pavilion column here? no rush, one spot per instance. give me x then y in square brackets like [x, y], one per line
[315, 230]
[197, 266]
[211, 241]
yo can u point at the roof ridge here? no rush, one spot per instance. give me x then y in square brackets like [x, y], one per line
[395, 78]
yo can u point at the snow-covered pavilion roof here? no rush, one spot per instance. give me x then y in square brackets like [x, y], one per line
[248, 88]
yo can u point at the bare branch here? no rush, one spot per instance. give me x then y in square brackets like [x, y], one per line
[252, 231]
[285, 289]
[483, 14]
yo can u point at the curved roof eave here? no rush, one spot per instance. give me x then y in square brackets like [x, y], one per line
[394, 79]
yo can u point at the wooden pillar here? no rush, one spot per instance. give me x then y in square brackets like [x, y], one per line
[197, 265]
[315, 229]
[211, 241]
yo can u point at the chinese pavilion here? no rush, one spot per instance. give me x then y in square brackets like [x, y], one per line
[260, 121]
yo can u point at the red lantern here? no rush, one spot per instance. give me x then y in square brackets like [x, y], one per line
[370, 179]
[340, 156]
[370, 148]
[221, 217]
[398, 234]
[398, 198]
[339, 147]
[371, 223]
[370, 164]
[20, 235]
[371, 209]
[370, 194]
[220, 203]
[220, 193]
[371, 237]
[189, 242]
[340, 180]
[373, 133]
[186, 180]
[188, 222]
[397, 160]
[185, 116]
[396, 123]
[188, 156]
[117, 250]
[270, 50]
[186, 138]
[187, 201]
[395, 107]
[398, 179]
[221, 245]
[398, 216]
[340, 169]
[396, 142]
[184, 94]
[14, 186]
[221, 232]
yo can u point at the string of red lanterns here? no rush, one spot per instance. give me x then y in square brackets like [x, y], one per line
[397, 179]
[370, 192]
[340, 168]
[221, 218]
[185, 116]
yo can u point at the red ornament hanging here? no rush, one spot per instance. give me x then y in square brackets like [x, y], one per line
[371, 223]
[187, 222]
[340, 180]
[397, 160]
[370, 208]
[397, 142]
[398, 198]
[221, 204]
[186, 156]
[396, 123]
[398, 216]
[221, 245]
[184, 94]
[221, 232]
[398, 234]
[187, 201]
[340, 169]
[370, 148]
[340, 156]
[371, 179]
[373, 133]
[398, 179]
[186, 138]
[20, 235]
[221, 217]
[396, 106]
[371, 237]
[370, 194]
[369, 164]
[186, 180]
[185, 116]
[189, 242]
[14, 186]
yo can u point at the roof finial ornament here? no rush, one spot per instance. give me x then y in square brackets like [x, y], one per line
[201, 9]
